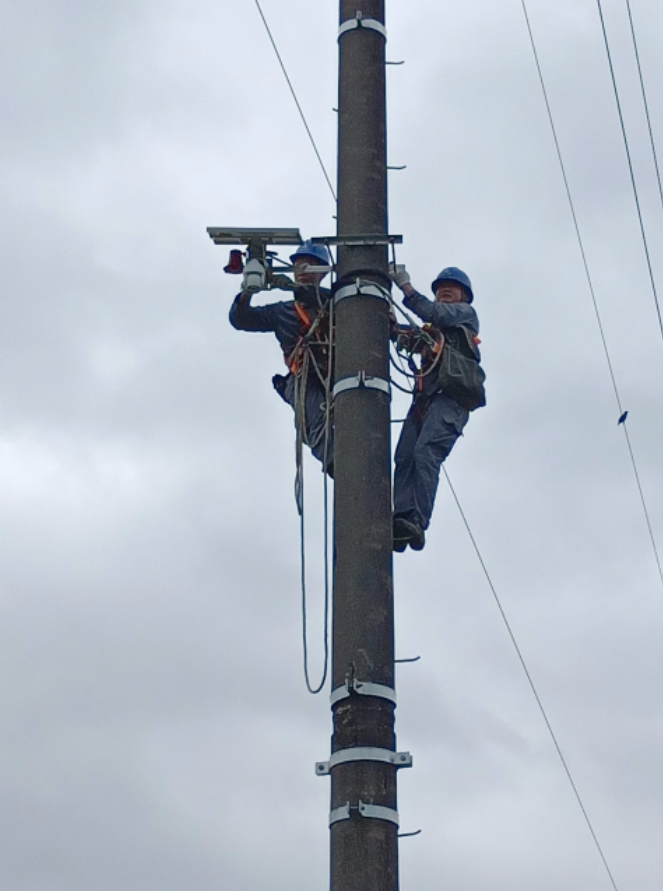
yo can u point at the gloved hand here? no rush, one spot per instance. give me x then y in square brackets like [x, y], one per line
[399, 275]
[255, 276]
[404, 339]
[282, 282]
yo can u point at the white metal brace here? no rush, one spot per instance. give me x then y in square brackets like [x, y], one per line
[352, 685]
[363, 753]
[371, 811]
[377, 812]
[362, 289]
[361, 381]
[361, 22]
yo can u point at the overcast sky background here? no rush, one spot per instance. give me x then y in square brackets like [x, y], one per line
[155, 728]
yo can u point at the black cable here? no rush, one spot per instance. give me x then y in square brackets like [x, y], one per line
[644, 503]
[400, 369]
[530, 681]
[644, 100]
[402, 389]
[294, 96]
[630, 165]
[591, 289]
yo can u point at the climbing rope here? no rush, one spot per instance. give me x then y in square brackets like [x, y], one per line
[308, 365]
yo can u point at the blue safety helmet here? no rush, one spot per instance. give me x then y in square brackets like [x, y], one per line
[317, 252]
[453, 274]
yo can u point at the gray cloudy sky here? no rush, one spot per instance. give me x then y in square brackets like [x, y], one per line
[156, 733]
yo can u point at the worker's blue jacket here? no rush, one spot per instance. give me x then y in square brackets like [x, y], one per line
[280, 318]
[283, 320]
[444, 316]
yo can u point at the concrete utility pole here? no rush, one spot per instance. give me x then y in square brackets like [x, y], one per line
[363, 765]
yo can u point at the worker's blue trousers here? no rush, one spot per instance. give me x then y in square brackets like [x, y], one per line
[427, 437]
[314, 410]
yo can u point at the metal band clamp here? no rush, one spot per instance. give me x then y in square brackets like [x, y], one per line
[361, 22]
[361, 381]
[340, 813]
[362, 289]
[370, 811]
[363, 753]
[352, 685]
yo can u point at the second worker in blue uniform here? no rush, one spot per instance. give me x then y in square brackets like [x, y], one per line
[442, 399]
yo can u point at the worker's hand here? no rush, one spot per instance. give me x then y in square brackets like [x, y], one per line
[404, 340]
[399, 275]
[282, 282]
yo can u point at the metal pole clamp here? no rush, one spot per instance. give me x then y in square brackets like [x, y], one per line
[363, 753]
[363, 688]
[360, 288]
[361, 381]
[370, 811]
[361, 22]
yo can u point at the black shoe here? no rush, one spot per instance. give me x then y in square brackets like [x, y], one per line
[399, 545]
[402, 532]
[418, 540]
[407, 533]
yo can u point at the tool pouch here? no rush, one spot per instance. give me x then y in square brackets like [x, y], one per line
[460, 376]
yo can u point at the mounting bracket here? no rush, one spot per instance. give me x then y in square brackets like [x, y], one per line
[361, 381]
[363, 688]
[363, 753]
[370, 811]
[361, 22]
[361, 288]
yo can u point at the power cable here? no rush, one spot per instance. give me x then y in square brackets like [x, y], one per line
[530, 680]
[592, 292]
[294, 96]
[644, 100]
[630, 165]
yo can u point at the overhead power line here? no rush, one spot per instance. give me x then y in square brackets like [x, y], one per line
[530, 681]
[593, 293]
[630, 165]
[294, 96]
[644, 100]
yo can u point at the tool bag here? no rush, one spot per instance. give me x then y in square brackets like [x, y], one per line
[460, 376]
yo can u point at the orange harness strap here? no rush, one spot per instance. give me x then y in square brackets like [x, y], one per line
[293, 361]
[303, 316]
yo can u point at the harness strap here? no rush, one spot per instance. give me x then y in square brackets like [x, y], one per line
[294, 359]
[303, 316]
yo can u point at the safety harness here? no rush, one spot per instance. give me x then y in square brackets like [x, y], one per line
[454, 359]
[313, 337]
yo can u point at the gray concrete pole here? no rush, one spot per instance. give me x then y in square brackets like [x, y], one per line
[364, 849]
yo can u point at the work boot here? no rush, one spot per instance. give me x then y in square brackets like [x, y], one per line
[399, 545]
[418, 540]
[407, 533]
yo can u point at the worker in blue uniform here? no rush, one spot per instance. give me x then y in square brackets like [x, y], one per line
[301, 328]
[436, 417]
